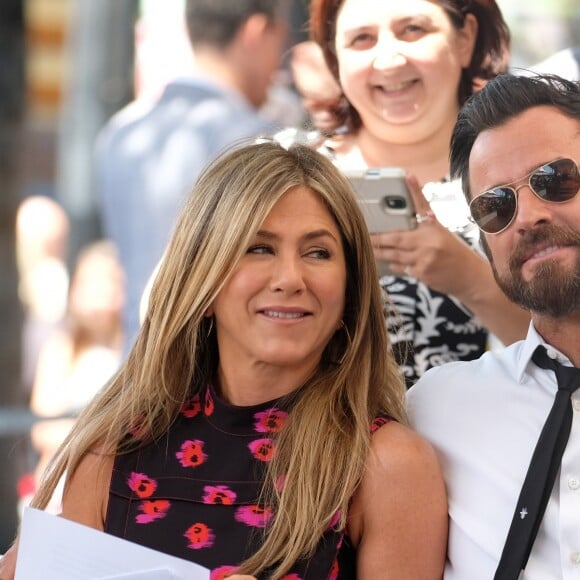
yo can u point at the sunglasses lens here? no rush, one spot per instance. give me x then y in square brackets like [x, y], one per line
[493, 210]
[557, 181]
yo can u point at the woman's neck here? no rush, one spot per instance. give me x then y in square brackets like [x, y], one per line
[246, 385]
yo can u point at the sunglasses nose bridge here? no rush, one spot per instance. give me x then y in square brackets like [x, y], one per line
[534, 208]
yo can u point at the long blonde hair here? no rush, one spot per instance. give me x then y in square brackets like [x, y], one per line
[322, 450]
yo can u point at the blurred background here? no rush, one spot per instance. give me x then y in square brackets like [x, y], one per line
[65, 67]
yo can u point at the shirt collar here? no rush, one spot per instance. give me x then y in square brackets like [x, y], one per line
[533, 339]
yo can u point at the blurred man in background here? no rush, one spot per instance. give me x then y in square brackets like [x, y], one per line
[148, 157]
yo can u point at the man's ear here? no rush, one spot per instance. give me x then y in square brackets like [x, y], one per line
[253, 29]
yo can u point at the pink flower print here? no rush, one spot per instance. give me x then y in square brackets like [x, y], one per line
[270, 421]
[254, 515]
[152, 510]
[291, 577]
[141, 484]
[191, 407]
[334, 520]
[334, 571]
[218, 494]
[262, 449]
[191, 454]
[209, 404]
[221, 573]
[200, 536]
[378, 423]
[139, 429]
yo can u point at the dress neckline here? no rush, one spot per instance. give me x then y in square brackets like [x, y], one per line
[266, 417]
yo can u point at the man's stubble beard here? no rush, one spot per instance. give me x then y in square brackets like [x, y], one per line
[552, 291]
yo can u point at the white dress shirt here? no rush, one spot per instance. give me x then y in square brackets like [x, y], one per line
[484, 418]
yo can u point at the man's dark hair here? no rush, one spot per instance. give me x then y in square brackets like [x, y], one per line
[216, 22]
[502, 99]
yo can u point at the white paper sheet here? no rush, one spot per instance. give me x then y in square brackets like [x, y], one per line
[51, 547]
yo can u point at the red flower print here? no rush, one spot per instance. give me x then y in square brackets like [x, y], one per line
[262, 449]
[139, 429]
[334, 521]
[270, 421]
[191, 407]
[152, 510]
[378, 423]
[222, 572]
[199, 536]
[334, 571]
[191, 454]
[209, 405]
[218, 494]
[141, 484]
[254, 515]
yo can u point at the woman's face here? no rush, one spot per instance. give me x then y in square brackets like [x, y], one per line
[285, 299]
[400, 65]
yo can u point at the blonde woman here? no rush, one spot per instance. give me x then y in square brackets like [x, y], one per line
[257, 427]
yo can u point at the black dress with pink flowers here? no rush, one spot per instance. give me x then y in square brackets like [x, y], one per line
[194, 493]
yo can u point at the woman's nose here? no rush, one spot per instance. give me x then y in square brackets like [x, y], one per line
[388, 53]
[287, 275]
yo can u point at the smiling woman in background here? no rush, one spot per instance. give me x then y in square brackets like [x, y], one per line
[257, 426]
[405, 69]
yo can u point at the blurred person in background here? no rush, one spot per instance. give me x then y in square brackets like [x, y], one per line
[42, 235]
[564, 63]
[405, 69]
[148, 157]
[77, 360]
[320, 92]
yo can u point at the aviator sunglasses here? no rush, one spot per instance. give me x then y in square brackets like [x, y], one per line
[494, 210]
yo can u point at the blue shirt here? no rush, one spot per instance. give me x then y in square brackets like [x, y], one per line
[147, 160]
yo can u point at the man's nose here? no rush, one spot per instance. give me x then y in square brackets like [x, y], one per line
[531, 210]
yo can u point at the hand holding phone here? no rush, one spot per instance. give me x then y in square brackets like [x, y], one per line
[385, 201]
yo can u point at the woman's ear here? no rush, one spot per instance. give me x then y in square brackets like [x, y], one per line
[467, 39]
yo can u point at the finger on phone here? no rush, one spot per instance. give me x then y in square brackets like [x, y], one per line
[421, 204]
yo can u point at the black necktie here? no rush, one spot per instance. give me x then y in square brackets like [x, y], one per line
[541, 475]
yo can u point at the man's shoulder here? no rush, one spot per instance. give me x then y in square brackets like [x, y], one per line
[462, 378]
[191, 108]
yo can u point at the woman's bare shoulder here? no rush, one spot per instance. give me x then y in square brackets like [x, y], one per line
[86, 493]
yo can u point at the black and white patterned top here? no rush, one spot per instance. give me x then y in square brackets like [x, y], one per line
[427, 328]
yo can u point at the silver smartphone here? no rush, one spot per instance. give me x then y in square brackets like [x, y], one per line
[384, 198]
[385, 201]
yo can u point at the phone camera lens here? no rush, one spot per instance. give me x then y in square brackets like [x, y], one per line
[395, 202]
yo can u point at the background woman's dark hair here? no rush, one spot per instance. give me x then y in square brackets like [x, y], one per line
[490, 55]
[502, 99]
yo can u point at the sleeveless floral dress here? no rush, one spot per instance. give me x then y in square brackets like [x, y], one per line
[194, 492]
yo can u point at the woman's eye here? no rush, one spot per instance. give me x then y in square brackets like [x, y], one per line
[260, 249]
[413, 28]
[319, 254]
[362, 40]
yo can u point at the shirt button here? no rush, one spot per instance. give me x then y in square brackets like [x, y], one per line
[576, 405]
[575, 557]
[574, 483]
[552, 353]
